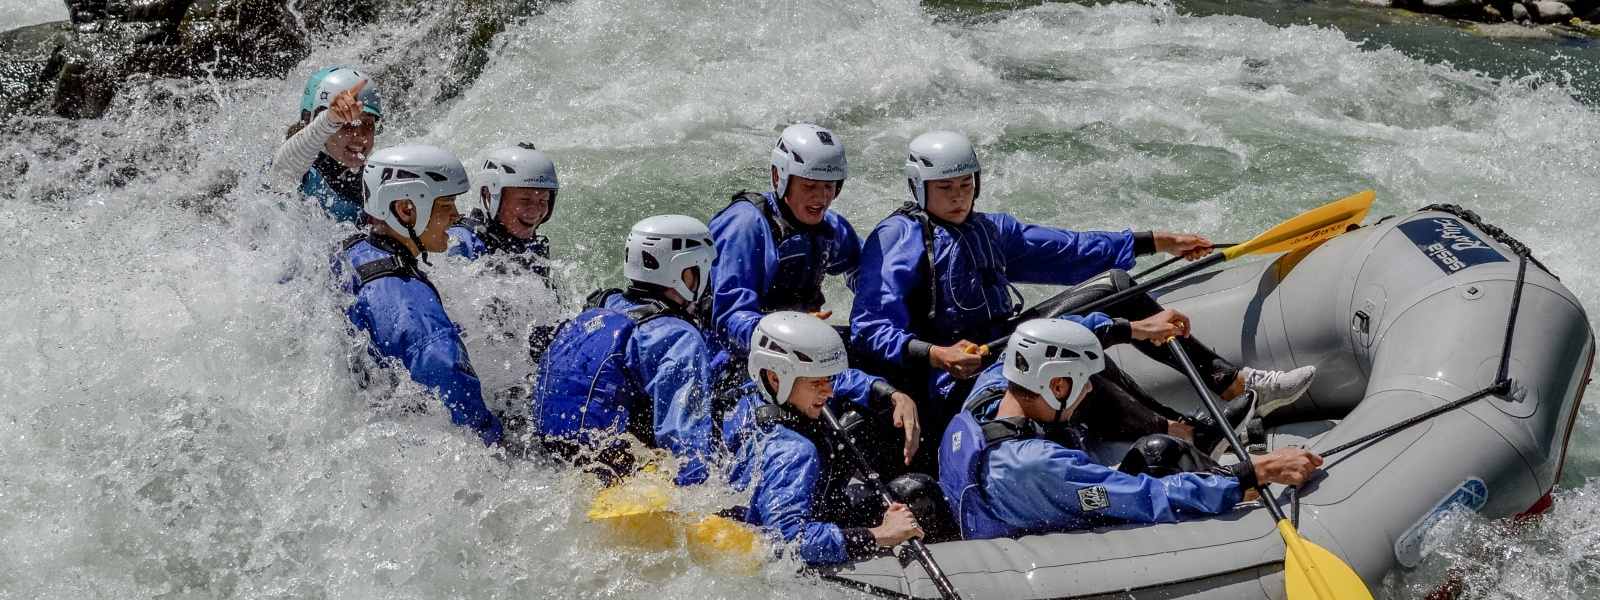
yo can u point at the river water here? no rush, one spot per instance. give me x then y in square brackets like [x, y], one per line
[176, 407]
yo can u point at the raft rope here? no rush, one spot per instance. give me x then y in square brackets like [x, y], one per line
[1500, 387]
[1499, 235]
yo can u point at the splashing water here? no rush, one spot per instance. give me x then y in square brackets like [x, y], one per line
[179, 416]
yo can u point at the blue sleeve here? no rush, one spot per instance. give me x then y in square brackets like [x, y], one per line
[673, 362]
[890, 265]
[1048, 255]
[1037, 484]
[786, 473]
[1094, 321]
[854, 386]
[407, 322]
[847, 252]
[740, 273]
[464, 243]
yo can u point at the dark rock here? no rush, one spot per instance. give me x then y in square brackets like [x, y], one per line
[1519, 12]
[237, 38]
[33, 61]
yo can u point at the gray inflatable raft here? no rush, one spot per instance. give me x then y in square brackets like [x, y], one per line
[1399, 317]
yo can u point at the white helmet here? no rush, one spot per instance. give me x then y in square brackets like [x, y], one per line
[808, 151]
[1044, 349]
[518, 166]
[661, 247]
[328, 82]
[792, 344]
[412, 172]
[939, 155]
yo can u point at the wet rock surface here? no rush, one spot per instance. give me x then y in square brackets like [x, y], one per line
[77, 68]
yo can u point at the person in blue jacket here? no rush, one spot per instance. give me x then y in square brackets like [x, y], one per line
[1011, 464]
[324, 152]
[775, 248]
[517, 196]
[936, 275]
[786, 458]
[635, 361]
[395, 304]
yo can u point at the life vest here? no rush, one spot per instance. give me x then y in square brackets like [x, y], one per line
[963, 460]
[804, 253]
[496, 240]
[398, 263]
[585, 390]
[935, 302]
[335, 188]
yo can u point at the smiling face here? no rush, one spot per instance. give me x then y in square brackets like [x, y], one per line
[809, 395]
[951, 199]
[351, 144]
[523, 209]
[808, 199]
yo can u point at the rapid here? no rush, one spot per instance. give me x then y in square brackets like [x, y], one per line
[178, 415]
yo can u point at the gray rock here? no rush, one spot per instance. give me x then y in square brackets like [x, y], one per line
[1519, 12]
[1448, 6]
[1549, 11]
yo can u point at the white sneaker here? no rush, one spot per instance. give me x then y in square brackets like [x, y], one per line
[1277, 389]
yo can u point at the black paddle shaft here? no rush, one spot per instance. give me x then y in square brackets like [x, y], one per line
[1213, 407]
[1044, 309]
[865, 470]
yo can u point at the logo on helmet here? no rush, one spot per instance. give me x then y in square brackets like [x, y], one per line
[966, 166]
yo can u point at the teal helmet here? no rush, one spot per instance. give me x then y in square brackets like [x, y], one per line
[327, 82]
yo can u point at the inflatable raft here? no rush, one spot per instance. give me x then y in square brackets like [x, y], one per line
[1400, 317]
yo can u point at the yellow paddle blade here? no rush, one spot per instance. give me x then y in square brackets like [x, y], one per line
[1311, 572]
[726, 546]
[1311, 227]
[634, 513]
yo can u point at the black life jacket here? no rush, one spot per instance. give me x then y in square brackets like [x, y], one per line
[399, 263]
[804, 253]
[530, 254]
[923, 302]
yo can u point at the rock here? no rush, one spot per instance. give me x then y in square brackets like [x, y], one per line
[1549, 11]
[33, 61]
[1519, 12]
[1448, 6]
[237, 38]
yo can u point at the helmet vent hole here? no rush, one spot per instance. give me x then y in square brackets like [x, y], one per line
[691, 243]
[1021, 362]
[526, 146]
[649, 261]
[437, 176]
[797, 158]
[677, 244]
[1093, 356]
[1049, 351]
[802, 356]
[822, 136]
[1070, 353]
[488, 166]
[927, 163]
[508, 169]
[403, 174]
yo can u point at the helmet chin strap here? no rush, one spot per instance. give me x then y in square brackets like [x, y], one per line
[422, 251]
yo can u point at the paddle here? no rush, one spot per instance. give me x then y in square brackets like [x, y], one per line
[637, 513]
[1309, 571]
[868, 475]
[1311, 227]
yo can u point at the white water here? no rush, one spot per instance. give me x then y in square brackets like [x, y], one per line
[177, 420]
